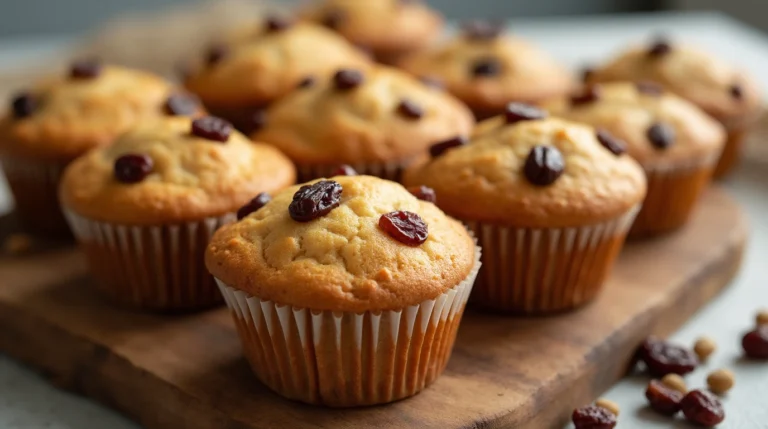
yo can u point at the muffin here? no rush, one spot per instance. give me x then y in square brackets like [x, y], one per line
[675, 142]
[378, 120]
[145, 208]
[487, 69]
[347, 291]
[388, 29]
[549, 204]
[62, 117]
[723, 91]
[252, 68]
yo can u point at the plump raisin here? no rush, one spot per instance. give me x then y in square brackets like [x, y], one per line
[702, 408]
[216, 53]
[661, 135]
[614, 144]
[347, 79]
[334, 18]
[589, 94]
[212, 128]
[482, 30]
[307, 82]
[85, 69]
[406, 227]
[274, 24]
[251, 206]
[133, 168]
[424, 193]
[438, 149]
[736, 91]
[659, 48]
[593, 417]
[755, 343]
[516, 112]
[313, 201]
[664, 358]
[662, 398]
[486, 67]
[410, 110]
[182, 105]
[345, 170]
[23, 105]
[544, 165]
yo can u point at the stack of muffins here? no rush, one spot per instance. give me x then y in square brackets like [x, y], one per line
[348, 288]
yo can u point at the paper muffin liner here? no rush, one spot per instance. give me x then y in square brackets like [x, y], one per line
[729, 158]
[35, 185]
[545, 270]
[344, 359]
[386, 170]
[673, 192]
[156, 268]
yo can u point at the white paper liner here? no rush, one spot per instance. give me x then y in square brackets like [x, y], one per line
[157, 268]
[345, 359]
[387, 170]
[539, 271]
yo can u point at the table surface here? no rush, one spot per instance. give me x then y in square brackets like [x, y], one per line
[28, 401]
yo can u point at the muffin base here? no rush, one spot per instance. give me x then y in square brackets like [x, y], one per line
[673, 191]
[386, 170]
[729, 159]
[35, 186]
[155, 268]
[346, 359]
[545, 271]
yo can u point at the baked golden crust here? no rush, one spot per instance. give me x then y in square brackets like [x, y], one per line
[342, 261]
[628, 113]
[384, 26]
[262, 66]
[325, 125]
[526, 73]
[75, 115]
[484, 180]
[192, 178]
[692, 74]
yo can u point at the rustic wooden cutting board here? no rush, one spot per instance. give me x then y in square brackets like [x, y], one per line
[187, 372]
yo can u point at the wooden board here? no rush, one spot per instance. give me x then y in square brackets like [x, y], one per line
[187, 371]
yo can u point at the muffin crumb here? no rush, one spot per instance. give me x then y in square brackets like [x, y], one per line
[720, 381]
[676, 382]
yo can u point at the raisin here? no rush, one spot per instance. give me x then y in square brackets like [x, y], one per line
[85, 69]
[661, 135]
[251, 206]
[215, 54]
[587, 73]
[516, 112]
[486, 67]
[424, 193]
[313, 201]
[181, 105]
[406, 227]
[593, 417]
[334, 18]
[702, 408]
[736, 91]
[24, 105]
[482, 30]
[212, 128]
[410, 110]
[276, 24]
[589, 94]
[649, 88]
[345, 170]
[755, 343]
[438, 149]
[616, 145]
[662, 398]
[133, 168]
[307, 82]
[664, 358]
[659, 48]
[544, 165]
[346, 79]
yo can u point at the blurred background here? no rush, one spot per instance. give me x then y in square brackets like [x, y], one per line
[38, 17]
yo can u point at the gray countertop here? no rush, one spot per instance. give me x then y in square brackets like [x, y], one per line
[27, 401]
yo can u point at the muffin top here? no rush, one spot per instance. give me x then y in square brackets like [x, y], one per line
[64, 116]
[654, 125]
[267, 61]
[347, 258]
[173, 171]
[487, 69]
[379, 114]
[717, 87]
[384, 26]
[526, 170]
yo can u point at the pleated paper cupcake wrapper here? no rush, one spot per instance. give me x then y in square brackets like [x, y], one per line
[386, 170]
[548, 270]
[344, 359]
[673, 191]
[155, 268]
[35, 185]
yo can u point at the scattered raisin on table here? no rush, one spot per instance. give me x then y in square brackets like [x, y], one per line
[593, 417]
[755, 343]
[702, 408]
[255, 204]
[316, 200]
[662, 398]
[404, 226]
[663, 358]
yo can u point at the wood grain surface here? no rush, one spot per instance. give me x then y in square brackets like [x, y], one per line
[187, 372]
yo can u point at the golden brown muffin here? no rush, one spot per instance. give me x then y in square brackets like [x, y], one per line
[144, 208]
[388, 28]
[676, 143]
[723, 91]
[487, 69]
[549, 203]
[378, 120]
[336, 284]
[255, 67]
[65, 116]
